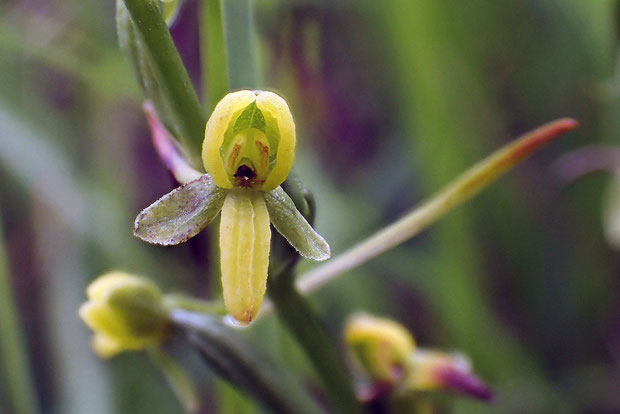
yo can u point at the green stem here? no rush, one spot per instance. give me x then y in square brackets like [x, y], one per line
[21, 394]
[178, 379]
[457, 192]
[243, 365]
[213, 53]
[190, 303]
[170, 74]
[238, 20]
[297, 315]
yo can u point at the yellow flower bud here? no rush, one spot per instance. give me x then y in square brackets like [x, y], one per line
[126, 312]
[380, 346]
[249, 141]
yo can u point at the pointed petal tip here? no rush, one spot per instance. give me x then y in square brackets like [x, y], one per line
[567, 123]
[241, 322]
[324, 255]
[465, 383]
[151, 237]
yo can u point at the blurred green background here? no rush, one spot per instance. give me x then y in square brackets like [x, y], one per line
[392, 99]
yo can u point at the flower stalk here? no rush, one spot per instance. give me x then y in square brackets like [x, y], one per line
[454, 194]
[297, 315]
[242, 364]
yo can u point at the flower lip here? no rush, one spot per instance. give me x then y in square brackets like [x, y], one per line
[249, 141]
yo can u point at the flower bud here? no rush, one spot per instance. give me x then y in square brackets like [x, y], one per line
[126, 312]
[249, 141]
[380, 346]
[432, 370]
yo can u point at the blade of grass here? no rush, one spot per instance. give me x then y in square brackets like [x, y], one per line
[239, 34]
[213, 54]
[171, 75]
[21, 393]
[455, 193]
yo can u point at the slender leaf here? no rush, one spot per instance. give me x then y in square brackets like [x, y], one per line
[177, 377]
[13, 351]
[213, 54]
[464, 187]
[239, 34]
[133, 47]
[242, 364]
[171, 76]
[311, 333]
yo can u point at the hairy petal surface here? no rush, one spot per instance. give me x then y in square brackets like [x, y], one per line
[180, 214]
[244, 246]
[293, 226]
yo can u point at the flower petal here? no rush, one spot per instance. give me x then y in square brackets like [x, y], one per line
[180, 214]
[106, 346]
[293, 226]
[278, 108]
[244, 245]
[214, 134]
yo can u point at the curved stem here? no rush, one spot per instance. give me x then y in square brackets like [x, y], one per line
[241, 364]
[464, 187]
[297, 315]
[586, 160]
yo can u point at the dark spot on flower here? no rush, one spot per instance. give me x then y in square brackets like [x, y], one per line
[245, 176]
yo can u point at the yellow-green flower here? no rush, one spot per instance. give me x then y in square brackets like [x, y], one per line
[248, 152]
[387, 354]
[126, 312]
[380, 346]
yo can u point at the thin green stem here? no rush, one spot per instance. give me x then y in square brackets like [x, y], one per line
[20, 387]
[464, 187]
[213, 53]
[297, 315]
[243, 365]
[239, 34]
[171, 75]
[178, 379]
[190, 303]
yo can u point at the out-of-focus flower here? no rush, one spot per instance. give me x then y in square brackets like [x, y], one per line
[433, 370]
[380, 346]
[126, 313]
[387, 354]
[248, 152]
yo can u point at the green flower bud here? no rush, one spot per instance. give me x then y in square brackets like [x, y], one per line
[380, 346]
[126, 312]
